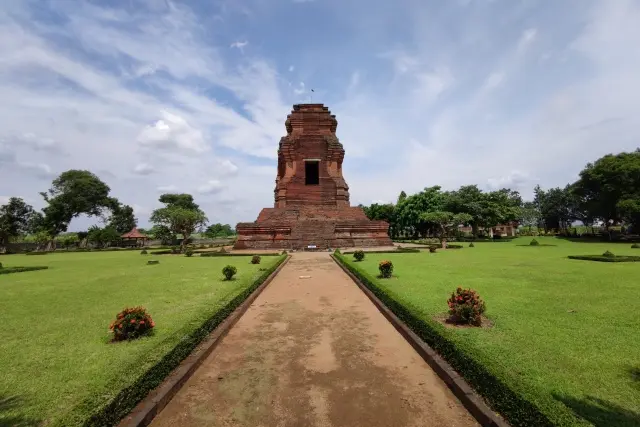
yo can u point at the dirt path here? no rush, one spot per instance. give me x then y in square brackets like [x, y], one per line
[313, 351]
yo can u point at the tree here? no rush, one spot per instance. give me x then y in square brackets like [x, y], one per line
[554, 207]
[529, 215]
[469, 199]
[444, 223]
[15, 217]
[102, 237]
[73, 193]
[123, 219]
[219, 230]
[180, 215]
[162, 233]
[500, 207]
[409, 211]
[610, 187]
[385, 212]
[68, 240]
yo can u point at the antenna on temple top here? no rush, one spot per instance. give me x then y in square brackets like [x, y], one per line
[311, 96]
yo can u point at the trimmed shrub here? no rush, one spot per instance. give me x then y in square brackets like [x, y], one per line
[175, 249]
[163, 252]
[0, 265]
[534, 242]
[9, 270]
[603, 258]
[465, 306]
[337, 252]
[189, 253]
[131, 323]
[386, 269]
[454, 246]
[635, 246]
[608, 254]
[433, 249]
[153, 262]
[284, 252]
[229, 271]
[471, 245]
[222, 250]
[37, 253]
[358, 255]
[406, 250]
[227, 254]
[143, 252]
[255, 259]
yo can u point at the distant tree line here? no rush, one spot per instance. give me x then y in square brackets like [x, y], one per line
[607, 192]
[80, 192]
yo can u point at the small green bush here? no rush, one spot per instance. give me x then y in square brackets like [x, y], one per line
[471, 245]
[454, 246]
[255, 259]
[635, 246]
[534, 242]
[189, 253]
[433, 249]
[337, 252]
[163, 252]
[284, 252]
[153, 262]
[229, 271]
[0, 265]
[9, 270]
[37, 253]
[386, 269]
[358, 255]
[465, 306]
[175, 249]
[608, 254]
[143, 252]
[131, 323]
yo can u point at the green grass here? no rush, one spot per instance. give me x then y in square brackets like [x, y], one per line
[567, 333]
[56, 363]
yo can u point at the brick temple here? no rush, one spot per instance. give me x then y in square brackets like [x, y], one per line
[311, 209]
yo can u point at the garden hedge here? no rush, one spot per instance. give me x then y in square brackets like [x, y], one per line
[121, 405]
[517, 410]
[604, 258]
[215, 254]
[9, 270]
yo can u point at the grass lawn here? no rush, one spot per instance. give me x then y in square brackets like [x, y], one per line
[566, 334]
[56, 363]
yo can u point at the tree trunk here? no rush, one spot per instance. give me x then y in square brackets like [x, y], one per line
[474, 230]
[183, 244]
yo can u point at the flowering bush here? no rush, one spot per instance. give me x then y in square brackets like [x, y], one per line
[131, 323]
[229, 271]
[386, 269]
[465, 306]
[358, 255]
[534, 242]
[255, 259]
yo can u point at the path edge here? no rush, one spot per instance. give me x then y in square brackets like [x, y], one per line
[471, 400]
[145, 411]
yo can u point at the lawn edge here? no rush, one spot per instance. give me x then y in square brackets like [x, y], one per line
[138, 404]
[424, 338]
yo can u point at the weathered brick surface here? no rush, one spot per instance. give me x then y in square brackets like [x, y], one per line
[311, 214]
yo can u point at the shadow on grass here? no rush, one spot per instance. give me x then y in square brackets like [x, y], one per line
[601, 413]
[596, 240]
[634, 372]
[9, 414]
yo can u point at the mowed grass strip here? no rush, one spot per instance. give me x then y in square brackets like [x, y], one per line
[54, 340]
[566, 335]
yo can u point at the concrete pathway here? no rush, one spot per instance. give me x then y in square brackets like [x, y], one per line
[312, 350]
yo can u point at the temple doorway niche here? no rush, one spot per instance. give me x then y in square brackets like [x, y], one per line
[311, 172]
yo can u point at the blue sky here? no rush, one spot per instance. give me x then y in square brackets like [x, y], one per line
[191, 96]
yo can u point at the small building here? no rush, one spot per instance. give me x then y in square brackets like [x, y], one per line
[134, 238]
[504, 230]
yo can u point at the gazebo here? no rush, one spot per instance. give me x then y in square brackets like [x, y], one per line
[134, 236]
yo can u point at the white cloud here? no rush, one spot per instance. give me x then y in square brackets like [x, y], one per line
[167, 189]
[172, 132]
[227, 167]
[291, 68]
[5, 199]
[143, 169]
[211, 187]
[239, 44]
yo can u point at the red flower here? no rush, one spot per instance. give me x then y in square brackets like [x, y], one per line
[133, 321]
[141, 322]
